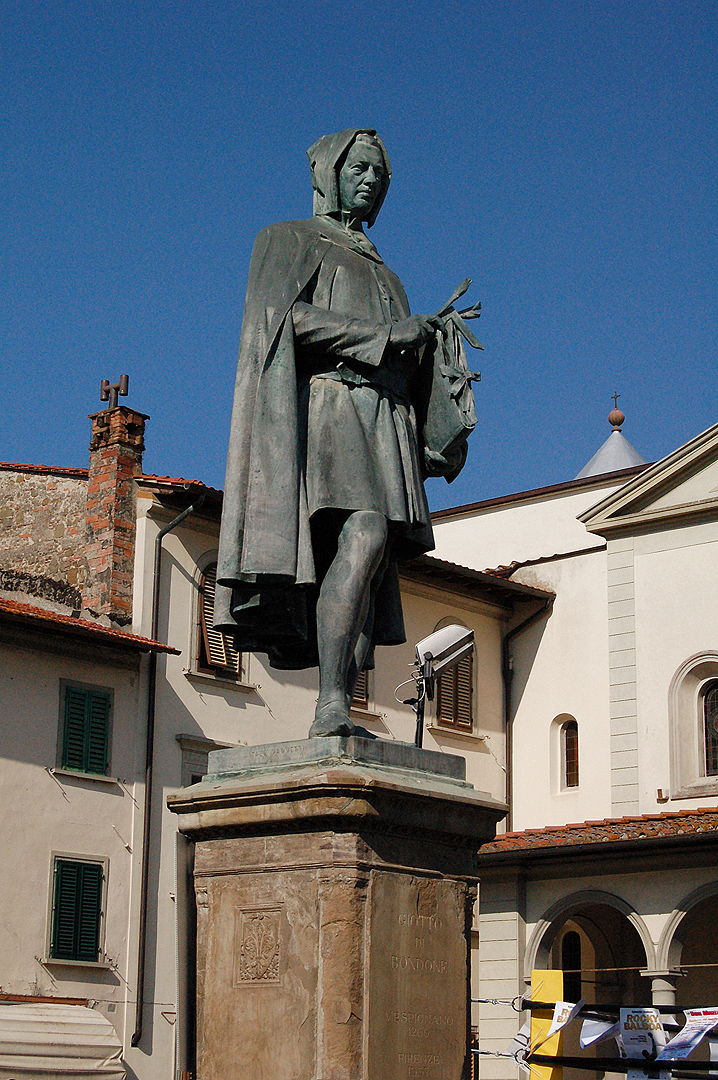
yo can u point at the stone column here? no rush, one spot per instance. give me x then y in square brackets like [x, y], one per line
[663, 986]
[335, 880]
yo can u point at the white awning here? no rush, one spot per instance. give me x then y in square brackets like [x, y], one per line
[70, 1042]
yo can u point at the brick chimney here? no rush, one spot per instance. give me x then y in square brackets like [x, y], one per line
[115, 460]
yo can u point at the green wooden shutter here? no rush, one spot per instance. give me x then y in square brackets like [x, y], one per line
[73, 740]
[85, 740]
[88, 912]
[67, 883]
[98, 724]
[77, 911]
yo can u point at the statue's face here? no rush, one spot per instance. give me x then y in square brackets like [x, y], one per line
[360, 179]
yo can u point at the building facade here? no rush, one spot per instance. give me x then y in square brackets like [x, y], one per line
[608, 867]
[115, 689]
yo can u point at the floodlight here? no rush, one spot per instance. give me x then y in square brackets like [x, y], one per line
[444, 649]
[440, 651]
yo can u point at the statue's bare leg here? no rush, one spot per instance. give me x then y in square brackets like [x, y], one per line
[342, 610]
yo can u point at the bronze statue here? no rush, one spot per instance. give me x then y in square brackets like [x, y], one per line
[324, 490]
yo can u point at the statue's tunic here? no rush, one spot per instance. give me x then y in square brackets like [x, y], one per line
[324, 419]
[359, 447]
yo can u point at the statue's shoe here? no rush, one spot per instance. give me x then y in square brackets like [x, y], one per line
[331, 719]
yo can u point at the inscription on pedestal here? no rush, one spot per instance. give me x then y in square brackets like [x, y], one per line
[257, 944]
[417, 994]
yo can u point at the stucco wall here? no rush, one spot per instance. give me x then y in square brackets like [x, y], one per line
[531, 528]
[676, 597]
[48, 813]
[561, 672]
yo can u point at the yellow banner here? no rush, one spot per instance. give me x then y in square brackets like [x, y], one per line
[546, 986]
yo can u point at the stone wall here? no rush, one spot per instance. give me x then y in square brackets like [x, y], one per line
[42, 534]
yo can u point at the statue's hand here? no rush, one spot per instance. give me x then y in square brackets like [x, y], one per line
[415, 331]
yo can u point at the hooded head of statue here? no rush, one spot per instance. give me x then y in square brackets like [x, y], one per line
[326, 158]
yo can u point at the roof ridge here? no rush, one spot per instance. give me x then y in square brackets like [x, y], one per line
[70, 470]
[667, 815]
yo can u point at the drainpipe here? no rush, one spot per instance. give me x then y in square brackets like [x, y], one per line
[507, 670]
[149, 762]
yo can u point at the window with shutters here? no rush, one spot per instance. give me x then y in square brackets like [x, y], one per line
[76, 921]
[454, 696]
[217, 654]
[85, 735]
[360, 700]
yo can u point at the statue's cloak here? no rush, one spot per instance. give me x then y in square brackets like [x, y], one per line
[266, 575]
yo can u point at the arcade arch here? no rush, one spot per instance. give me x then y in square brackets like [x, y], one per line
[611, 939]
[689, 944]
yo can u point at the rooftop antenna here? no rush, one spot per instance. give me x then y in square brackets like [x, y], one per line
[109, 393]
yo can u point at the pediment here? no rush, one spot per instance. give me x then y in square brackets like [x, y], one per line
[682, 486]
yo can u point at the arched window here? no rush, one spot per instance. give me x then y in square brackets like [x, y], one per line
[692, 708]
[710, 728]
[571, 965]
[454, 696]
[217, 654]
[569, 753]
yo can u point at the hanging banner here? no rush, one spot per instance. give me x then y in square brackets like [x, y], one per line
[698, 1023]
[595, 1031]
[546, 986]
[642, 1033]
[519, 1045]
[563, 1014]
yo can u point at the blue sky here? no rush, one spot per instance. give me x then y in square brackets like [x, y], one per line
[562, 154]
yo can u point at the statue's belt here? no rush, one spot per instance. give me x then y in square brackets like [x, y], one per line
[395, 386]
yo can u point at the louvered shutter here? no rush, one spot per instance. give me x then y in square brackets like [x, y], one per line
[73, 740]
[88, 912]
[463, 693]
[454, 696]
[217, 649]
[77, 911]
[361, 691]
[67, 886]
[86, 733]
[446, 697]
[98, 724]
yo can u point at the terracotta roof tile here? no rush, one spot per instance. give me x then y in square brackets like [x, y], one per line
[608, 830]
[40, 617]
[54, 470]
[82, 474]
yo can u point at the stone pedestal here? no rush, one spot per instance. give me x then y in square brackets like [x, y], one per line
[335, 881]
